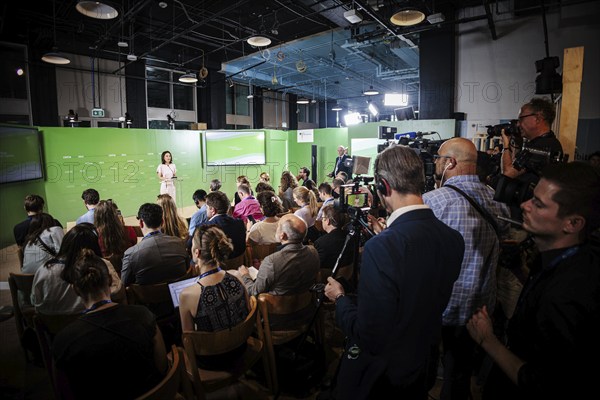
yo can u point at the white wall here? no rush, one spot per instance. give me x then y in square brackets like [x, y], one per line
[494, 78]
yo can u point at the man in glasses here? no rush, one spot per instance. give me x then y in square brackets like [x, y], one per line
[535, 121]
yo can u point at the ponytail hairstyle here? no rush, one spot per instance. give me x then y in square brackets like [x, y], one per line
[88, 275]
[81, 236]
[39, 223]
[307, 197]
[215, 247]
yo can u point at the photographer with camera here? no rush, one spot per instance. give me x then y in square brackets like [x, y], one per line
[466, 204]
[534, 123]
[551, 348]
[406, 278]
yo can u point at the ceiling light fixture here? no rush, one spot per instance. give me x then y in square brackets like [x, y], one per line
[188, 78]
[371, 91]
[97, 10]
[259, 40]
[54, 56]
[336, 108]
[409, 15]
[303, 101]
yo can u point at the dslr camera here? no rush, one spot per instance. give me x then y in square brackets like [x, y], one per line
[510, 129]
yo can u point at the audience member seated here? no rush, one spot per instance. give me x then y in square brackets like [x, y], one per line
[217, 205]
[336, 187]
[262, 186]
[42, 243]
[241, 180]
[263, 232]
[326, 196]
[50, 294]
[158, 257]
[33, 205]
[286, 190]
[248, 206]
[308, 210]
[113, 237]
[109, 339]
[330, 245]
[173, 224]
[90, 198]
[199, 217]
[215, 185]
[219, 300]
[265, 177]
[291, 270]
[304, 174]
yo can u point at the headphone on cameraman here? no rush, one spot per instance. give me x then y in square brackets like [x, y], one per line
[382, 186]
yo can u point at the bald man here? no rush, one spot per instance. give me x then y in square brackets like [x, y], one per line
[293, 269]
[339, 163]
[456, 167]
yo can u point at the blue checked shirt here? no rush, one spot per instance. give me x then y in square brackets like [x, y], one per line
[476, 284]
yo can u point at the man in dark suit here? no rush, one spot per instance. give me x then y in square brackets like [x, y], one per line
[158, 257]
[339, 163]
[406, 278]
[217, 205]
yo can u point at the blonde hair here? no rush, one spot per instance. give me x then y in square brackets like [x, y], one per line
[173, 224]
[307, 197]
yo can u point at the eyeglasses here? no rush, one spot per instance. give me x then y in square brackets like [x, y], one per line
[520, 117]
[437, 157]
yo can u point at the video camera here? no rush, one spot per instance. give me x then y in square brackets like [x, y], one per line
[510, 129]
[356, 203]
[513, 192]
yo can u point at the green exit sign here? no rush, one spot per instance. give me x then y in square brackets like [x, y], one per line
[97, 113]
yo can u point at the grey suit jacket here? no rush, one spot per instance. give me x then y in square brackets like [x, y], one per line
[291, 270]
[156, 259]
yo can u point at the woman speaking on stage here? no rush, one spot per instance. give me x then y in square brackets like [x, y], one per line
[167, 174]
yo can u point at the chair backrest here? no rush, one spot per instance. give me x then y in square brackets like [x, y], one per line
[211, 343]
[156, 297]
[284, 318]
[215, 343]
[171, 384]
[20, 288]
[234, 263]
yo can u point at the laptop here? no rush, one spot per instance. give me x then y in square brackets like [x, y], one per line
[176, 288]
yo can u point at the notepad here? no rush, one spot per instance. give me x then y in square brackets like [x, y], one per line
[177, 287]
[253, 272]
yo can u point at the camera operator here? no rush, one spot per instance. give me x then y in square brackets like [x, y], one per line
[406, 278]
[552, 345]
[456, 168]
[534, 121]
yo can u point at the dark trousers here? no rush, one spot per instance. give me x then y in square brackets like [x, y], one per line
[458, 360]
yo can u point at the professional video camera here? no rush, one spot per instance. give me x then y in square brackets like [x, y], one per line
[515, 191]
[510, 129]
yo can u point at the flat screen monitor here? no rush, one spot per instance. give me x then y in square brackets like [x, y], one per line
[20, 154]
[360, 165]
[404, 113]
[234, 148]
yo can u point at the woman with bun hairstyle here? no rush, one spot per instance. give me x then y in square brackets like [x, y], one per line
[108, 337]
[218, 300]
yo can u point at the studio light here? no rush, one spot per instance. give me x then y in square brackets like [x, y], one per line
[97, 10]
[352, 118]
[188, 78]
[373, 109]
[259, 41]
[371, 91]
[395, 99]
[408, 15]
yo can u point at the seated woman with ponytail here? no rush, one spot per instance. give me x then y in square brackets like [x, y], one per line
[219, 300]
[109, 339]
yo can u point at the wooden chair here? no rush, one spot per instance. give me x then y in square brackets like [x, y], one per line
[258, 252]
[234, 263]
[175, 385]
[214, 343]
[285, 318]
[46, 328]
[20, 286]
[157, 298]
